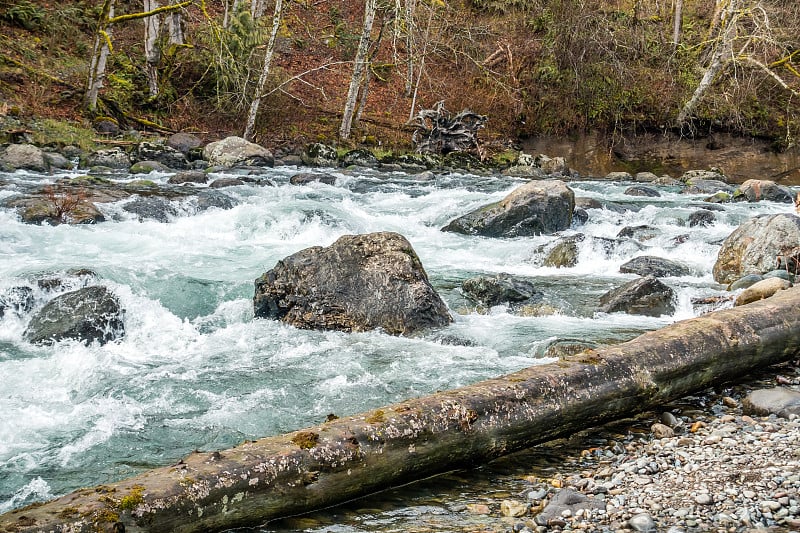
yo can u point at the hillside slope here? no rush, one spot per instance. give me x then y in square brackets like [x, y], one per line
[537, 67]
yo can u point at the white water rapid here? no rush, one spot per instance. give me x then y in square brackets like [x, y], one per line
[195, 370]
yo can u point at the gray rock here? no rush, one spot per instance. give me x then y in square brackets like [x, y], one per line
[514, 508]
[641, 190]
[360, 157]
[88, 315]
[640, 233]
[188, 176]
[500, 289]
[694, 175]
[642, 296]
[151, 208]
[642, 522]
[184, 142]
[777, 400]
[745, 281]
[114, 158]
[759, 245]
[56, 160]
[707, 186]
[163, 154]
[221, 183]
[233, 151]
[619, 176]
[758, 190]
[647, 265]
[566, 500]
[551, 166]
[145, 167]
[360, 282]
[701, 217]
[564, 252]
[208, 198]
[783, 274]
[17, 300]
[24, 156]
[320, 155]
[538, 207]
[646, 177]
[305, 178]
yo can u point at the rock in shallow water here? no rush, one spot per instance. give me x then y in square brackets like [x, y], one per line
[89, 314]
[360, 282]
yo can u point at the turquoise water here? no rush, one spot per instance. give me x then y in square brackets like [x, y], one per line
[195, 370]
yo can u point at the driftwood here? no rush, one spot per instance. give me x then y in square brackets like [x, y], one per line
[435, 131]
[354, 456]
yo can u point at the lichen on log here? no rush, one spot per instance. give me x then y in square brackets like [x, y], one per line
[350, 457]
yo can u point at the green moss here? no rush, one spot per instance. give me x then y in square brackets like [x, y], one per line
[306, 439]
[134, 498]
[51, 132]
[142, 183]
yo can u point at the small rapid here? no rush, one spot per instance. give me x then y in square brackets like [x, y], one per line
[195, 370]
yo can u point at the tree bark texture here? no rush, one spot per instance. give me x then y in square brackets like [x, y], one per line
[152, 53]
[361, 454]
[100, 52]
[359, 64]
[262, 79]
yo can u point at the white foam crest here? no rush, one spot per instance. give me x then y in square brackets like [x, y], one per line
[35, 490]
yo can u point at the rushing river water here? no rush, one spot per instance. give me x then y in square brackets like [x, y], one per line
[195, 370]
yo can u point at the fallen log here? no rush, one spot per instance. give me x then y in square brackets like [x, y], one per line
[351, 457]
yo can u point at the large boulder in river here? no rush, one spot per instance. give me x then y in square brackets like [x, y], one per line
[26, 156]
[115, 158]
[761, 290]
[757, 190]
[642, 296]
[320, 155]
[648, 265]
[358, 283]
[233, 151]
[163, 153]
[759, 245]
[89, 314]
[536, 208]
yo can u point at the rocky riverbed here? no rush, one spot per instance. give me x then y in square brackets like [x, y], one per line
[701, 464]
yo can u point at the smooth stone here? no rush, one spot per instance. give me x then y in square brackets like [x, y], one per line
[642, 522]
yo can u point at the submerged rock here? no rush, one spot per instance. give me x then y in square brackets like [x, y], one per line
[151, 208]
[500, 289]
[538, 207]
[702, 218]
[564, 252]
[90, 314]
[17, 300]
[305, 178]
[760, 245]
[642, 296]
[360, 282]
[648, 265]
[641, 190]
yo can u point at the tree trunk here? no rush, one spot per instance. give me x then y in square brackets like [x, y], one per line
[677, 24]
[262, 79]
[361, 454]
[174, 22]
[410, 13]
[723, 52]
[100, 52]
[152, 54]
[370, 7]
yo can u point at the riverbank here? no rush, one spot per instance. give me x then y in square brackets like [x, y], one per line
[723, 470]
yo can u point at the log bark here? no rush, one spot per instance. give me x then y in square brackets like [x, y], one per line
[361, 454]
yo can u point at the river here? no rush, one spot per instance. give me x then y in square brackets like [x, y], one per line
[195, 370]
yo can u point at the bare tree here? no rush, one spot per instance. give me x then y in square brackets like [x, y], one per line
[742, 34]
[152, 53]
[677, 23]
[359, 65]
[103, 45]
[262, 80]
